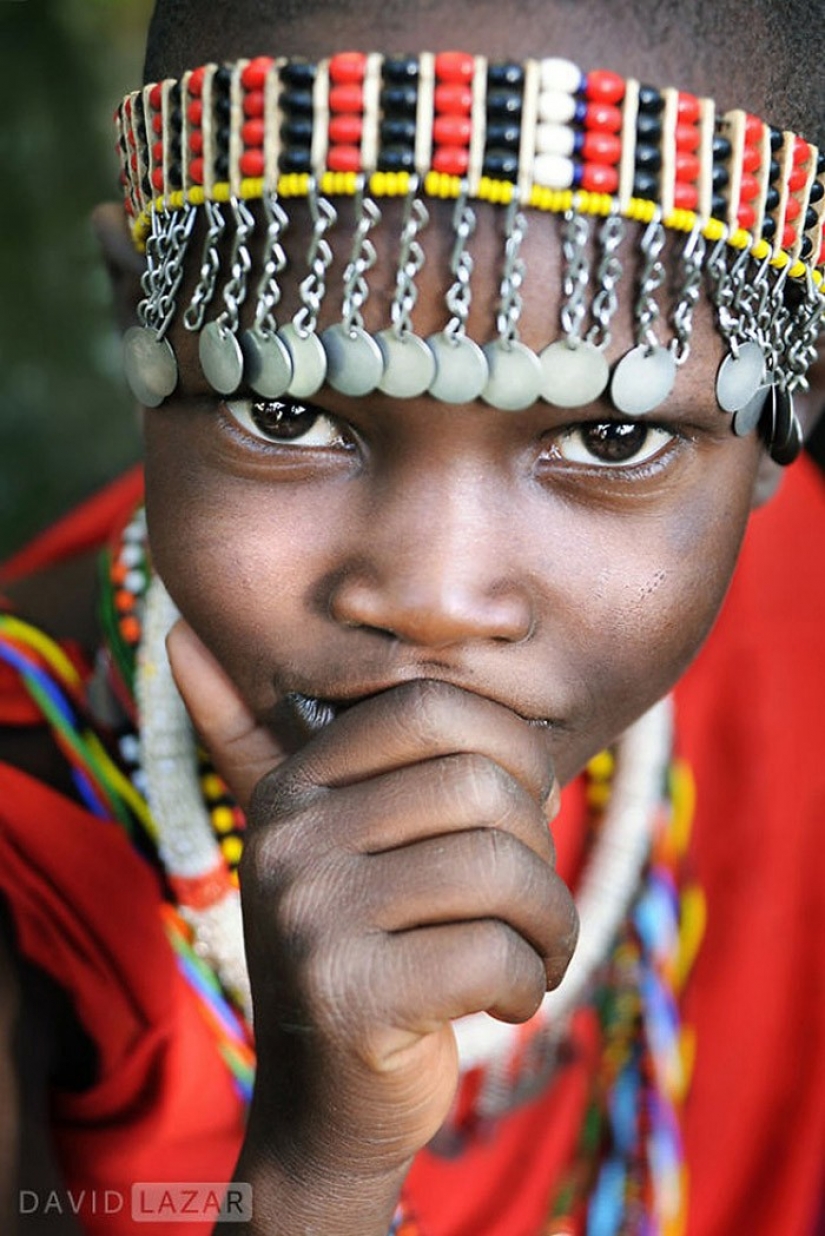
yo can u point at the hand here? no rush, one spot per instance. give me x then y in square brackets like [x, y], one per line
[398, 873]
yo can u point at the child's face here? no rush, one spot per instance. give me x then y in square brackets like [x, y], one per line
[499, 551]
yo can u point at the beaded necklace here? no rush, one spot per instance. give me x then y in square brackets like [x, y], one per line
[627, 1174]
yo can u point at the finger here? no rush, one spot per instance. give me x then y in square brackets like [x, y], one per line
[243, 750]
[420, 721]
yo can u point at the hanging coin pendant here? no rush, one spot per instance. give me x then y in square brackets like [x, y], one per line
[354, 361]
[309, 361]
[573, 374]
[642, 380]
[149, 365]
[409, 365]
[515, 376]
[461, 371]
[267, 362]
[221, 358]
[786, 452]
[740, 377]
[783, 444]
[746, 419]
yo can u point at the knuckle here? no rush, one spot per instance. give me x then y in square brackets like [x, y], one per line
[423, 704]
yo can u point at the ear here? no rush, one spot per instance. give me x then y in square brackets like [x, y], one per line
[809, 405]
[123, 262]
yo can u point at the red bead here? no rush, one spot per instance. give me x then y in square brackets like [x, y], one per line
[597, 178]
[156, 96]
[452, 160]
[157, 179]
[603, 117]
[793, 209]
[751, 159]
[797, 179]
[346, 99]
[749, 188]
[602, 148]
[130, 210]
[753, 130]
[801, 151]
[251, 163]
[133, 163]
[196, 171]
[746, 218]
[157, 152]
[688, 166]
[195, 86]
[346, 129]
[254, 75]
[452, 130]
[820, 261]
[601, 86]
[453, 100]
[687, 137]
[685, 197]
[688, 109]
[348, 67]
[788, 237]
[157, 123]
[127, 106]
[454, 67]
[344, 159]
[195, 112]
[196, 142]
[252, 133]
[130, 137]
[253, 103]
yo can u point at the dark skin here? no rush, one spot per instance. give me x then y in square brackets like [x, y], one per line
[486, 599]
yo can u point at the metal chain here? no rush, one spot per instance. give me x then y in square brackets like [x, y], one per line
[512, 278]
[183, 223]
[362, 259]
[319, 259]
[275, 261]
[234, 293]
[691, 261]
[461, 264]
[652, 274]
[808, 325]
[210, 265]
[152, 279]
[575, 237]
[410, 263]
[727, 286]
[608, 274]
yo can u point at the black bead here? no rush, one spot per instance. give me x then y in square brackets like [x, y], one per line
[147, 187]
[402, 99]
[773, 171]
[817, 191]
[811, 219]
[174, 94]
[501, 164]
[820, 163]
[648, 127]
[650, 99]
[222, 137]
[503, 104]
[175, 118]
[648, 158]
[222, 78]
[396, 159]
[398, 130]
[720, 177]
[223, 107]
[646, 185]
[299, 73]
[222, 167]
[721, 148]
[776, 138]
[772, 198]
[297, 159]
[400, 69]
[175, 180]
[506, 74]
[768, 227]
[807, 247]
[501, 134]
[297, 131]
[718, 206]
[296, 102]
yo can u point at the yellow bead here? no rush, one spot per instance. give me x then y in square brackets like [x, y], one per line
[232, 850]
[714, 229]
[798, 270]
[223, 819]
[761, 250]
[252, 188]
[740, 239]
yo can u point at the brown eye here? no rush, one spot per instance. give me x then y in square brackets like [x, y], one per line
[288, 422]
[614, 444]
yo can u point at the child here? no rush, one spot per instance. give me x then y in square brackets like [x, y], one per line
[451, 446]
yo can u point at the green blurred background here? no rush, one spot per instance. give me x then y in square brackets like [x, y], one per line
[66, 421]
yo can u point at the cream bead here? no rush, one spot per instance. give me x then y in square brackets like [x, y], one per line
[559, 74]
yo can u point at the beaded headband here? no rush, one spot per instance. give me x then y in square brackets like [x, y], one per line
[594, 148]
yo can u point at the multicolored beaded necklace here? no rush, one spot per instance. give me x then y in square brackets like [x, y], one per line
[627, 1174]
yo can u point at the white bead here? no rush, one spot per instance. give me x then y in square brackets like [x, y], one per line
[131, 555]
[557, 107]
[134, 582]
[554, 139]
[553, 171]
[558, 74]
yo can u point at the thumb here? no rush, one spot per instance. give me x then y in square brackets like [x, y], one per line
[242, 748]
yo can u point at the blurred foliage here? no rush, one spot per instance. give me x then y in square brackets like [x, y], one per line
[66, 421]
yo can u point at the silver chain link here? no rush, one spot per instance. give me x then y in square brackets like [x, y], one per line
[319, 259]
[275, 261]
[210, 265]
[512, 278]
[691, 261]
[410, 263]
[651, 277]
[234, 293]
[608, 273]
[362, 259]
[461, 264]
[575, 238]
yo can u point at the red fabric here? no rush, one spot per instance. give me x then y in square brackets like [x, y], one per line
[751, 723]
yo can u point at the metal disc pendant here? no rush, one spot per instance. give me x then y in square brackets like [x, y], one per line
[354, 360]
[515, 375]
[573, 374]
[221, 358]
[309, 361]
[409, 365]
[642, 380]
[786, 438]
[461, 371]
[740, 377]
[149, 365]
[747, 418]
[267, 362]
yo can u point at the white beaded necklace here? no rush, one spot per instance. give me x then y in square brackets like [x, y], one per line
[188, 849]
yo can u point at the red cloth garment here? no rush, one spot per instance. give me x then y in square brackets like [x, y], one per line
[750, 721]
